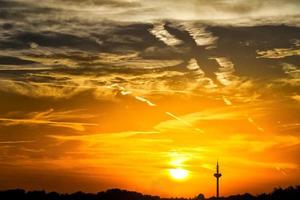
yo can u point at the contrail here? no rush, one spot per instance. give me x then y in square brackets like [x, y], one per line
[149, 103]
[145, 100]
[183, 121]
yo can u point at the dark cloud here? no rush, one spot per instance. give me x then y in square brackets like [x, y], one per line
[50, 39]
[77, 54]
[21, 10]
[111, 3]
[241, 43]
[9, 60]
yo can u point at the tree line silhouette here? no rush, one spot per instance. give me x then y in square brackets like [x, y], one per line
[290, 193]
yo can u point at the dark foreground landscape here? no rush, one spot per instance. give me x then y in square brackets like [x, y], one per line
[290, 193]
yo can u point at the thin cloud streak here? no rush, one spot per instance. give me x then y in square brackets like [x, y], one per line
[162, 34]
[17, 142]
[49, 118]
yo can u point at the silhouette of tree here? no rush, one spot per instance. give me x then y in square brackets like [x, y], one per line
[290, 193]
[200, 197]
[36, 195]
[13, 194]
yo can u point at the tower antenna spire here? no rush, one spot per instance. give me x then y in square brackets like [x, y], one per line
[218, 176]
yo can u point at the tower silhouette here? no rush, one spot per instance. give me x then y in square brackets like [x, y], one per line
[218, 176]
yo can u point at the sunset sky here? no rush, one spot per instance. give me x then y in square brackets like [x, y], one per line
[147, 95]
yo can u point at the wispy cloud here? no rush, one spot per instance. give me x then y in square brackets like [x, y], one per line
[16, 142]
[179, 119]
[145, 100]
[278, 53]
[49, 118]
[201, 78]
[162, 34]
[226, 72]
[296, 97]
[227, 101]
[293, 74]
[199, 33]
[250, 119]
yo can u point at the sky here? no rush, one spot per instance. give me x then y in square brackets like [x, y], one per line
[147, 95]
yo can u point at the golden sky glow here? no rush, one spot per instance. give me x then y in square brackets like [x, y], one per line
[145, 95]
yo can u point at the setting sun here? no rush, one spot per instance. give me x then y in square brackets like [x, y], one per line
[178, 173]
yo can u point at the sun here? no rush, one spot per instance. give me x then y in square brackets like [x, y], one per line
[178, 173]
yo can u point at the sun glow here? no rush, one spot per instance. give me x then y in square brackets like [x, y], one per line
[178, 173]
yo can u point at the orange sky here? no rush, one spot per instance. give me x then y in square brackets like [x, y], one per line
[148, 104]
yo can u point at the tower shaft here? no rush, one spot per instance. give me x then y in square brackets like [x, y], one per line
[218, 176]
[217, 192]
